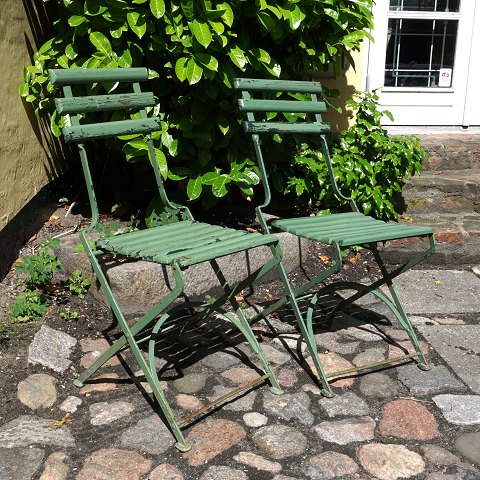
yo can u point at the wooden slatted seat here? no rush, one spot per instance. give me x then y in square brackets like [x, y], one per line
[186, 243]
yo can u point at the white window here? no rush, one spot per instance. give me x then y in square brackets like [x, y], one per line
[421, 61]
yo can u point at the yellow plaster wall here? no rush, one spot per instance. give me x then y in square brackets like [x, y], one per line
[350, 80]
[28, 155]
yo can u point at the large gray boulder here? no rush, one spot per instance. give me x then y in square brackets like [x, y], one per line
[138, 285]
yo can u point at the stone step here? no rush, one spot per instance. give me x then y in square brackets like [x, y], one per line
[457, 238]
[451, 151]
[449, 191]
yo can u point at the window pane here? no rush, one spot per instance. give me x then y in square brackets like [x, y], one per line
[417, 50]
[425, 5]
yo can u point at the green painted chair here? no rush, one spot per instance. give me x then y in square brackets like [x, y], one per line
[177, 246]
[338, 230]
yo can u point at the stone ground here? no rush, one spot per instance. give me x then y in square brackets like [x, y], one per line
[396, 423]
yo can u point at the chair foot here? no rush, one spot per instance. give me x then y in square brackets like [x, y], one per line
[183, 446]
[327, 393]
[276, 391]
[424, 367]
[78, 383]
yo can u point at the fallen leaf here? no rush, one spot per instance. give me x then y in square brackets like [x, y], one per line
[65, 420]
[324, 258]
[354, 260]
[438, 282]
[252, 230]
[239, 298]
[54, 217]
[406, 219]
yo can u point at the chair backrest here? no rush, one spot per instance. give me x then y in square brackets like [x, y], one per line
[300, 114]
[133, 102]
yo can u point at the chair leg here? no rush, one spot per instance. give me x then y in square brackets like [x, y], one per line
[128, 337]
[402, 316]
[242, 324]
[306, 329]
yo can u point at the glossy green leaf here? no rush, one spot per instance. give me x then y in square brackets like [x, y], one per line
[101, 42]
[219, 186]
[24, 90]
[194, 188]
[76, 20]
[137, 23]
[261, 54]
[208, 61]
[180, 173]
[181, 68]
[194, 72]
[63, 61]
[94, 7]
[162, 163]
[71, 51]
[201, 31]
[237, 56]
[293, 14]
[125, 60]
[209, 178]
[228, 17]
[188, 8]
[157, 7]
[223, 124]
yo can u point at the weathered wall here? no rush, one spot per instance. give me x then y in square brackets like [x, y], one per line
[350, 80]
[29, 157]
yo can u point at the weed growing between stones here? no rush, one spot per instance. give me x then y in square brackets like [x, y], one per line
[37, 271]
[77, 283]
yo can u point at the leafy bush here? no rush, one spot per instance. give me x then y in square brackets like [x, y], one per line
[38, 269]
[28, 306]
[369, 164]
[196, 48]
[77, 284]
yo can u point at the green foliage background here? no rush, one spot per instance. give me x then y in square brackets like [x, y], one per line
[369, 164]
[195, 48]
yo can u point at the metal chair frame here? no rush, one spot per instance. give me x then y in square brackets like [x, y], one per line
[339, 230]
[177, 245]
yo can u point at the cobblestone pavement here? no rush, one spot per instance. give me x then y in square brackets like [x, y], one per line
[396, 423]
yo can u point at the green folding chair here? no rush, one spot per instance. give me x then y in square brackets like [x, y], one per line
[177, 245]
[265, 116]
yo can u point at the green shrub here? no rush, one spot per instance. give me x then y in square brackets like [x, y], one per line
[28, 306]
[77, 284]
[37, 270]
[369, 164]
[195, 48]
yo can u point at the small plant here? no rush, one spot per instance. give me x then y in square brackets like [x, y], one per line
[28, 306]
[69, 314]
[106, 231]
[38, 269]
[77, 284]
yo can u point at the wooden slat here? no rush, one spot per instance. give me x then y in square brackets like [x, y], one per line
[287, 106]
[278, 127]
[104, 103]
[110, 129]
[277, 85]
[89, 75]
